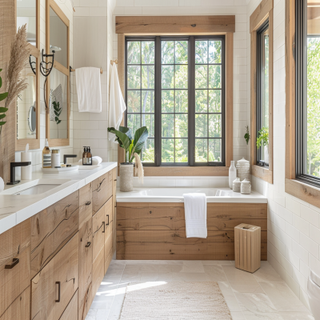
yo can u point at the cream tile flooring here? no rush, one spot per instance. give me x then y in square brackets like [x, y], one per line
[262, 295]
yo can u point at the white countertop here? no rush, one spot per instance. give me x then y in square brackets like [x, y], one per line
[214, 195]
[16, 208]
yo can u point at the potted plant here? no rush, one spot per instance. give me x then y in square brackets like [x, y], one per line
[263, 141]
[133, 148]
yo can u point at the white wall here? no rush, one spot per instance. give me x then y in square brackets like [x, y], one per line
[293, 225]
[37, 154]
[209, 7]
[93, 48]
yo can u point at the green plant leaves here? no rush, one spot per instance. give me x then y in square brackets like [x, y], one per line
[3, 95]
[2, 116]
[2, 109]
[140, 137]
[122, 138]
[263, 137]
[2, 123]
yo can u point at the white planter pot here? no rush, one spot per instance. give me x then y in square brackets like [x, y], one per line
[126, 177]
[266, 154]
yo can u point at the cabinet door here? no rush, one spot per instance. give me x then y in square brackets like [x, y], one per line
[51, 229]
[85, 204]
[114, 194]
[108, 240]
[85, 268]
[14, 264]
[99, 229]
[71, 312]
[54, 286]
[20, 308]
[101, 191]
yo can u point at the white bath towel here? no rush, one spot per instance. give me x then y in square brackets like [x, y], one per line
[117, 105]
[89, 90]
[96, 161]
[195, 209]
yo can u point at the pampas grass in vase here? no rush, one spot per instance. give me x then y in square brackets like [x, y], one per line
[18, 56]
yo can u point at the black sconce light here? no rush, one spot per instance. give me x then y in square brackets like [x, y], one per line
[45, 66]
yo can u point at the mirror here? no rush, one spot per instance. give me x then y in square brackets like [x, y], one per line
[58, 105]
[57, 85]
[58, 39]
[26, 101]
[26, 14]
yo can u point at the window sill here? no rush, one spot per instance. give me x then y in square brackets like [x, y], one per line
[303, 191]
[262, 173]
[186, 171]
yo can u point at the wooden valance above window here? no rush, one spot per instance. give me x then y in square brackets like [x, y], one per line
[174, 24]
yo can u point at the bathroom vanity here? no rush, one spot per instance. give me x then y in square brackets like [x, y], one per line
[52, 263]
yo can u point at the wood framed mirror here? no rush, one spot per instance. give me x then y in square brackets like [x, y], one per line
[27, 129]
[58, 82]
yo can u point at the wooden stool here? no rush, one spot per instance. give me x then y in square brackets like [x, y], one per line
[247, 247]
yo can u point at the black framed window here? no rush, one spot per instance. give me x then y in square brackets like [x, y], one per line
[175, 86]
[307, 92]
[262, 120]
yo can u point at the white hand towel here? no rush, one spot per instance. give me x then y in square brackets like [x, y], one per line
[96, 160]
[117, 105]
[195, 210]
[89, 90]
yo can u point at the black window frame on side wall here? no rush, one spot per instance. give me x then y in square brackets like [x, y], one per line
[191, 97]
[259, 89]
[301, 94]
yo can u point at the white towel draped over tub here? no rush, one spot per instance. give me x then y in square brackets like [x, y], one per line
[195, 210]
[117, 105]
[88, 83]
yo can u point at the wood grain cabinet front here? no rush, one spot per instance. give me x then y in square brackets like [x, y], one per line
[85, 204]
[102, 189]
[71, 312]
[108, 239]
[51, 229]
[14, 269]
[54, 286]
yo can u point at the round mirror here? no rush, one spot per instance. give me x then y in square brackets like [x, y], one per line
[32, 118]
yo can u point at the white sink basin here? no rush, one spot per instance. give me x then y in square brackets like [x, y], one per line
[35, 187]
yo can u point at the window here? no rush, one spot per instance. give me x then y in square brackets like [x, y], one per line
[307, 92]
[263, 93]
[175, 87]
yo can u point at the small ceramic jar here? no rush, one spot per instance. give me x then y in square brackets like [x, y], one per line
[236, 185]
[243, 168]
[246, 186]
[55, 158]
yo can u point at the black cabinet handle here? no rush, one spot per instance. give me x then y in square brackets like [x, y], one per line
[108, 219]
[88, 203]
[15, 261]
[88, 244]
[104, 227]
[59, 285]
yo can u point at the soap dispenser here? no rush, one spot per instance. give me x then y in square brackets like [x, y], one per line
[46, 156]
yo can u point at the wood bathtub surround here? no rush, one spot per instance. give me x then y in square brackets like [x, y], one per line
[156, 231]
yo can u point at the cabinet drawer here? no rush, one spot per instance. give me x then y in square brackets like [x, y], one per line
[85, 268]
[14, 264]
[97, 272]
[53, 287]
[20, 308]
[108, 252]
[101, 190]
[99, 229]
[85, 204]
[71, 312]
[51, 229]
[114, 183]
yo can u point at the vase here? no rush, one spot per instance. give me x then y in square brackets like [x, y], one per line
[232, 174]
[126, 177]
[266, 154]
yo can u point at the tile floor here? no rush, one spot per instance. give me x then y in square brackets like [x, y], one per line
[262, 295]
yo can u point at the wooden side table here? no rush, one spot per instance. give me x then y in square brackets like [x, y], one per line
[247, 247]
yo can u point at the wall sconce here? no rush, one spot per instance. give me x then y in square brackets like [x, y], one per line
[45, 67]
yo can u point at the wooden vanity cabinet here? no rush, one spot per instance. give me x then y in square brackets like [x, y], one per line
[15, 272]
[55, 285]
[71, 312]
[108, 238]
[102, 189]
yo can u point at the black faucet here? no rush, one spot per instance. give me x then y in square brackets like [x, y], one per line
[13, 166]
[68, 156]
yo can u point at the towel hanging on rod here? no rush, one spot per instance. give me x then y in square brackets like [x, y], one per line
[73, 70]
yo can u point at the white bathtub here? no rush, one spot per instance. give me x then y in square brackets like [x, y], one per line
[222, 195]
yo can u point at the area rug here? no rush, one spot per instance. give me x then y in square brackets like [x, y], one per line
[174, 300]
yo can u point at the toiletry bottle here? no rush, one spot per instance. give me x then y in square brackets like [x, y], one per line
[46, 156]
[232, 174]
[84, 156]
[89, 157]
[55, 158]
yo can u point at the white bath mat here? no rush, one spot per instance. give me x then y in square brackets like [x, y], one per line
[175, 301]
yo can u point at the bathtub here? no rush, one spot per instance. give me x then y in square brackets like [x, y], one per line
[218, 195]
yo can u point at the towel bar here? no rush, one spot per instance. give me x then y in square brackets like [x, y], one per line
[73, 70]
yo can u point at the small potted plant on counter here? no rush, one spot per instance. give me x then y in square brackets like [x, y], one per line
[133, 148]
[263, 141]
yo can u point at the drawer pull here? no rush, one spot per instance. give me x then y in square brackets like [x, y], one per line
[108, 219]
[88, 203]
[88, 244]
[104, 227]
[15, 261]
[58, 283]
